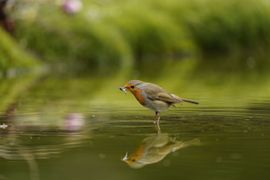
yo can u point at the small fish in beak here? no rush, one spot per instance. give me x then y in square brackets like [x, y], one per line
[126, 157]
[124, 89]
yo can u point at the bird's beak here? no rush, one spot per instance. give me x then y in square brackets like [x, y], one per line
[124, 89]
[126, 157]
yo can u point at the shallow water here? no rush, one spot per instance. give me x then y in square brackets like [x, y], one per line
[69, 128]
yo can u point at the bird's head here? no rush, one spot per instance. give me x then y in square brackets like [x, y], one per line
[133, 161]
[131, 86]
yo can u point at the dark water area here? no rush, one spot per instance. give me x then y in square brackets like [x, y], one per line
[85, 128]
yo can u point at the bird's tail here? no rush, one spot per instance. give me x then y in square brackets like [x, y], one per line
[190, 101]
[179, 99]
[180, 144]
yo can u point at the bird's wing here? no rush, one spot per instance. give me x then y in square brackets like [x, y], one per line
[167, 98]
[155, 92]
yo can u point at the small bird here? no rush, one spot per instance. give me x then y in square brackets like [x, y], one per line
[153, 96]
[155, 148]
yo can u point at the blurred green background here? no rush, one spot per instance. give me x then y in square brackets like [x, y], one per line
[60, 64]
[110, 34]
[208, 45]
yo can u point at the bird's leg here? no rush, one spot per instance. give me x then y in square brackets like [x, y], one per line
[156, 121]
[157, 117]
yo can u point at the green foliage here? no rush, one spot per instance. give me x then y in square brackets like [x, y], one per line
[103, 35]
[59, 38]
[12, 56]
[228, 26]
[117, 32]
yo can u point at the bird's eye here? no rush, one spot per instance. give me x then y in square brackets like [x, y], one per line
[132, 87]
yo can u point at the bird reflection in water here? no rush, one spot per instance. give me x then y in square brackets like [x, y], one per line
[155, 148]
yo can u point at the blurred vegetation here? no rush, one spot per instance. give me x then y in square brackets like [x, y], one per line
[145, 37]
[13, 59]
[117, 32]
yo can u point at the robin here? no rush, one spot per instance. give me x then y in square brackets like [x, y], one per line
[153, 96]
[155, 148]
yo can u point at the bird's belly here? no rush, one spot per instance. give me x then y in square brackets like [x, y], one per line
[156, 105]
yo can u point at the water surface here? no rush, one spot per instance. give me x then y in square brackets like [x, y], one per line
[81, 128]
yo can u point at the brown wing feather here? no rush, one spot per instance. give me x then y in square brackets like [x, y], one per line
[167, 98]
[152, 90]
[156, 92]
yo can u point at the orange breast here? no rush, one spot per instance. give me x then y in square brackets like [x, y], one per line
[138, 95]
[139, 153]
